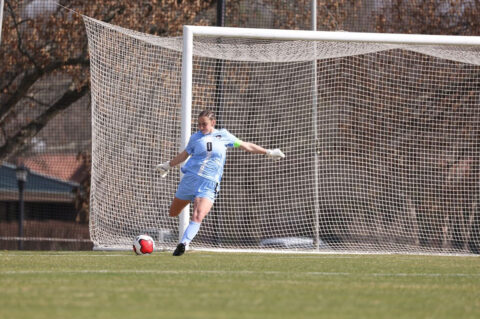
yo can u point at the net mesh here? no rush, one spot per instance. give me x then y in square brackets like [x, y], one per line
[381, 143]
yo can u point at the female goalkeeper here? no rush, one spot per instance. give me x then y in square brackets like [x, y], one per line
[203, 171]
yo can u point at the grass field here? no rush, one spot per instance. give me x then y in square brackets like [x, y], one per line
[215, 285]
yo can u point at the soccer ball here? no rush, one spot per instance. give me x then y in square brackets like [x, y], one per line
[143, 245]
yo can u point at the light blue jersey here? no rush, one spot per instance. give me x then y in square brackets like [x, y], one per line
[208, 153]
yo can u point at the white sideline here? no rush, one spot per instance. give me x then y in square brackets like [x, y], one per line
[62, 255]
[230, 272]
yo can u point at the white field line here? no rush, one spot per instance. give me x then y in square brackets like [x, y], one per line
[63, 255]
[200, 256]
[225, 272]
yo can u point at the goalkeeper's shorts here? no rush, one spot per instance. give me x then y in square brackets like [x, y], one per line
[192, 186]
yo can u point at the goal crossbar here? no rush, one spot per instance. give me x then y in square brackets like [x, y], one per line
[339, 36]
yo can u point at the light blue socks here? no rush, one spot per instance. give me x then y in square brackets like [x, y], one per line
[190, 232]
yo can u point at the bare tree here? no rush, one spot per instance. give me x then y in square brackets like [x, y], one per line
[455, 17]
[42, 40]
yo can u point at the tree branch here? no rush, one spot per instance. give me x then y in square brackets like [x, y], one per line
[31, 76]
[16, 142]
[19, 38]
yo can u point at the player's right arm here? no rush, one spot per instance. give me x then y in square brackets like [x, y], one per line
[165, 167]
[180, 158]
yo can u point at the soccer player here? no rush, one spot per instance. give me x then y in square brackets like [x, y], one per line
[203, 171]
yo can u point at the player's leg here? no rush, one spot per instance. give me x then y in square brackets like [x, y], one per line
[203, 202]
[175, 209]
[201, 207]
[177, 206]
[185, 194]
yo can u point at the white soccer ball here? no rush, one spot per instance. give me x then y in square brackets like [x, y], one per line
[143, 245]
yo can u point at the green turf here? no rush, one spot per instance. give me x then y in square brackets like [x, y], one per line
[213, 285]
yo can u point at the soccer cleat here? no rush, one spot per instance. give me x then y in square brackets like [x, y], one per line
[180, 250]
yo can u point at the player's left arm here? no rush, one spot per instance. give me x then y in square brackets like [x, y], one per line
[252, 148]
[257, 149]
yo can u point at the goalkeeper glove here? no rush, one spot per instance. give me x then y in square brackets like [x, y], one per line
[275, 154]
[163, 169]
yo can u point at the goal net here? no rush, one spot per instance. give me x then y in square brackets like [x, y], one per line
[382, 142]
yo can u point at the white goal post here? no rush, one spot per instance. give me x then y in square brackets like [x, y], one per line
[1, 20]
[380, 135]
